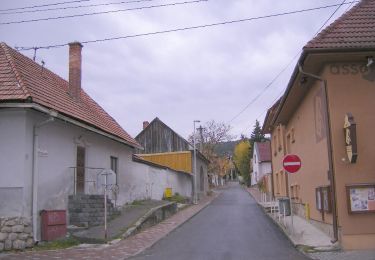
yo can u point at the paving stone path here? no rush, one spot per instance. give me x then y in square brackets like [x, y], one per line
[123, 248]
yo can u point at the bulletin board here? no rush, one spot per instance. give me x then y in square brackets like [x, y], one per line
[361, 198]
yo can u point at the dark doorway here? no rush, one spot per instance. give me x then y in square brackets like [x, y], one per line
[80, 169]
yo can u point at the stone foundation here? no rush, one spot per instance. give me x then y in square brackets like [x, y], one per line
[15, 233]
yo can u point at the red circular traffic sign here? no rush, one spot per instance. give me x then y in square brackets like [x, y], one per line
[292, 163]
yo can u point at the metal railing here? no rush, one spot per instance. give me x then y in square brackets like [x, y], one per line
[92, 183]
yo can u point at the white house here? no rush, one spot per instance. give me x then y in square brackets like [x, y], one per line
[261, 161]
[55, 141]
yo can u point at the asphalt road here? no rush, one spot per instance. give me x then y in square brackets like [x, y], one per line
[231, 227]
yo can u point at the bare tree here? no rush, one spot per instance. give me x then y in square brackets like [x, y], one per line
[208, 136]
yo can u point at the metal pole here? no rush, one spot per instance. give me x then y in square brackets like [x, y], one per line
[105, 207]
[195, 198]
[290, 202]
[75, 181]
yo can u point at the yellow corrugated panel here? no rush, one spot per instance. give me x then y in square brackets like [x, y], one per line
[179, 161]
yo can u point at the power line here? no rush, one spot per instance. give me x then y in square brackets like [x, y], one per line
[36, 6]
[329, 18]
[282, 71]
[264, 111]
[264, 89]
[104, 12]
[77, 6]
[180, 29]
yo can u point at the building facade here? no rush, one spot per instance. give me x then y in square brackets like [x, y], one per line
[325, 117]
[261, 166]
[165, 147]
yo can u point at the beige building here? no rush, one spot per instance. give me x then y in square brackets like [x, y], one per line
[326, 116]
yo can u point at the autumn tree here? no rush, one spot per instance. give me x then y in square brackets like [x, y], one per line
[241, 158]
[208, 136]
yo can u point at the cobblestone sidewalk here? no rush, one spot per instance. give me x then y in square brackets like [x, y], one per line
[121, 249]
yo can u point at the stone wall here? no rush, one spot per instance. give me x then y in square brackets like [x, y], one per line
[15, 233]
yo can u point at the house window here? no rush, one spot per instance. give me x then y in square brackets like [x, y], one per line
[295, 191]
[114, 165]
[275, 145]
[80, 169]
[277, 186]
[288, 144]
[279, 147]
[291, 132]
[289, 140]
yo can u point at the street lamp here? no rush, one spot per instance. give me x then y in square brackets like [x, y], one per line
[195, 199]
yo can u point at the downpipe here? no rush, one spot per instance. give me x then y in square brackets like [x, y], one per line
[35, 175]
[330, 151]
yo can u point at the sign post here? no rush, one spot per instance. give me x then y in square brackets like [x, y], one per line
[106, 182]
[291, 163]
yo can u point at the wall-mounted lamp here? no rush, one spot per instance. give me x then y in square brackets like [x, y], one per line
[370, 61]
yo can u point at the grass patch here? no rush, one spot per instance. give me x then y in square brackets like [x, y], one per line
[306, 249]
[178, 198]
[57, 244]
[137, 202]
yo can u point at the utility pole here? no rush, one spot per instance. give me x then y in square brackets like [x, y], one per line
[195, 198]
[200, 129]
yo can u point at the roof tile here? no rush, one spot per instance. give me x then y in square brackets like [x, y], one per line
[21, 78]
[354, 29]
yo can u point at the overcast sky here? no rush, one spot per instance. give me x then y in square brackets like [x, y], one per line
[205, 74]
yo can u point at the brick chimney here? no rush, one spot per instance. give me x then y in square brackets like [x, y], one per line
[75, 71]
[145, 124]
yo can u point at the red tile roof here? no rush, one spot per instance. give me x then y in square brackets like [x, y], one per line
[264, 151]
[23, 80]
[354, 29]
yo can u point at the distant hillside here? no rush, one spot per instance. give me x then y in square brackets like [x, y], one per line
[225, 148]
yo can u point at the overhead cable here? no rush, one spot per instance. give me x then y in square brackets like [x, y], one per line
[103, 12]
[180, 29]
[36, 6]
[76, 7]
[282, 71]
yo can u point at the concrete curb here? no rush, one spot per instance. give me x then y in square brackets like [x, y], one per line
[298, 246]
[216, 194]
[132, 230]
[273, 220]
[276, 223]
[136, 227]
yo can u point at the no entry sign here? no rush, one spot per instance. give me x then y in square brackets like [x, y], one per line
[292, 163]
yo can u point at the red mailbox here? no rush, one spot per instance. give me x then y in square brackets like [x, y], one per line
[53, 224]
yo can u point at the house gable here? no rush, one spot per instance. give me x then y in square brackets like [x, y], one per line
[25, 81]
[157, 137]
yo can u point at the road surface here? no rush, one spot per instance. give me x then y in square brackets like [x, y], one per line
[232, 227]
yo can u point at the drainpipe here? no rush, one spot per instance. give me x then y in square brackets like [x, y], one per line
[35, 174]
[331, 172]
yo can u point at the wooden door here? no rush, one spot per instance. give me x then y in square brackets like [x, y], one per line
[80, 169]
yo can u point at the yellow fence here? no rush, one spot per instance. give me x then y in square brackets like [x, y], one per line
[179, 161]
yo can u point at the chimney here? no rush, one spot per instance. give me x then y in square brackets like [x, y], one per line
[75, 71]
[145, 124]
